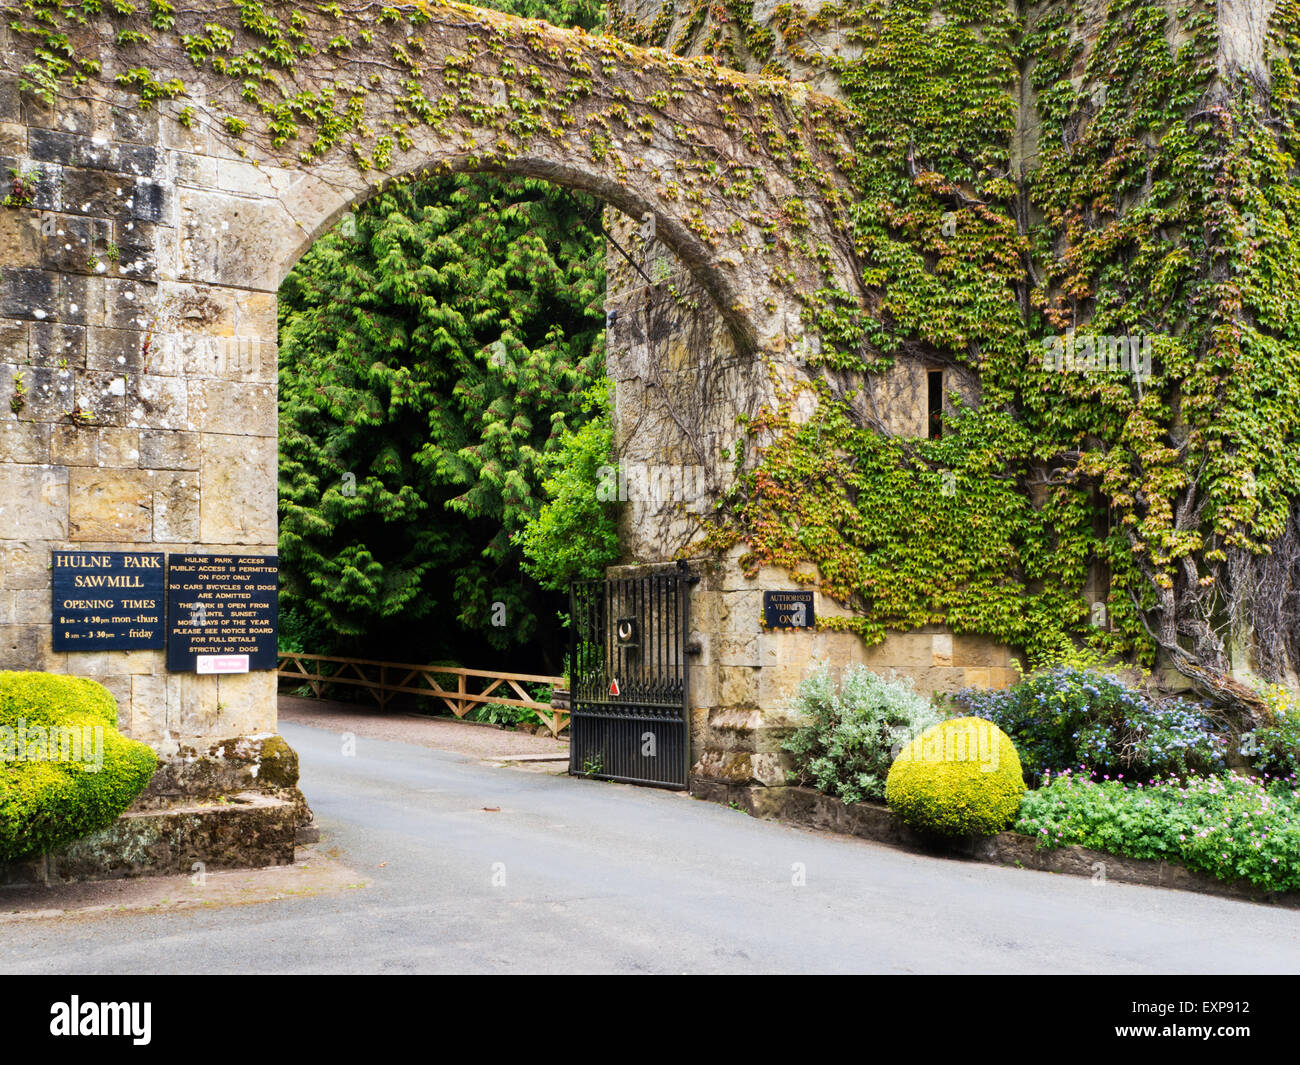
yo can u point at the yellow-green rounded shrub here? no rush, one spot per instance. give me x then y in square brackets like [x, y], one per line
[65, 770]
[957, 778]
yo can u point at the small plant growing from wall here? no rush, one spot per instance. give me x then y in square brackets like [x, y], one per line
[22, 189]
[110, 252]
[19, 399]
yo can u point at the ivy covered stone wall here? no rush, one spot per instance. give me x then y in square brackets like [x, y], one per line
[1089, 208]
[1080, 215]
[167, 169]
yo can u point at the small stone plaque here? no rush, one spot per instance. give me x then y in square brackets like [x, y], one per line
[107, 600]
[222, 613]
[788, 610]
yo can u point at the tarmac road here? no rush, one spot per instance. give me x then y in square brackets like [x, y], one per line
[475, 868]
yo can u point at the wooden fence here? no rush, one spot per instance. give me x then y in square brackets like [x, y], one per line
[385, 679]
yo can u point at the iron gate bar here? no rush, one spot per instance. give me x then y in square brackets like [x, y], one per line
[608, 733]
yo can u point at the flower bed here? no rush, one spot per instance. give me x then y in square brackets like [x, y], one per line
[1158, 789]
[814, 809]
[1231, 827]
[1065, 717]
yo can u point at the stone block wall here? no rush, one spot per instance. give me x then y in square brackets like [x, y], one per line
[680, 384]
[139, 261]
[138, 371]
[138, 274]
[743, 679]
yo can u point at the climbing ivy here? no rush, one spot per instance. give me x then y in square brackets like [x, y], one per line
[1137, 195]
[1147, 199]
[961, 530]
[381, 79]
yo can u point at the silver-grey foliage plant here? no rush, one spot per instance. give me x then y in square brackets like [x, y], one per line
[852, 734]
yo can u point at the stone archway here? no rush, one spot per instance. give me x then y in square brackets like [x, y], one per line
[145, 245]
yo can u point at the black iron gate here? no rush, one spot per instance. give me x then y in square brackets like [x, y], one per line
[628, 680]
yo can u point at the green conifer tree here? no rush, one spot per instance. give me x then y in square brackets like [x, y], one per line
[433, 352]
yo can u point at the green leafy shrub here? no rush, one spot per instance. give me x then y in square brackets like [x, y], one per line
[508, 715]
[1229, 826]
[854, 732]
[1274, 747]
[958, 778]
[434, 349]
[574, 535]
[503, 714]
[1065, 718]
[299, 634]
[65, 770]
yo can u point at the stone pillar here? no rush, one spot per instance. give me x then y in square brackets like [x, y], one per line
[138, 369]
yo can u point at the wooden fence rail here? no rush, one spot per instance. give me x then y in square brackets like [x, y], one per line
[384, 679]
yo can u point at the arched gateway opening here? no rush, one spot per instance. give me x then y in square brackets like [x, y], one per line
[168, 169]
[441, 355]
[1017, 419]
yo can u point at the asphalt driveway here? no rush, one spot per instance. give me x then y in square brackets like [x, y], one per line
[477, 868]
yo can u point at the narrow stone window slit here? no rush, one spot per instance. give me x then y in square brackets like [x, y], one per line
[934, 384]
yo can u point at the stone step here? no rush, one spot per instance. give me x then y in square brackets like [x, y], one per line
[246, 830]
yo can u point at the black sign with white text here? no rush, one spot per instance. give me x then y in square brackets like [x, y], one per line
[788, 610]
[107, 600]
[221, 613]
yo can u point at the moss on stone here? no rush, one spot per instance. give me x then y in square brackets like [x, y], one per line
[279, 764]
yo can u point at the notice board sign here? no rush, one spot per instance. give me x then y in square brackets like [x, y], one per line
[107, 600]
[222, 613]
[788, 610]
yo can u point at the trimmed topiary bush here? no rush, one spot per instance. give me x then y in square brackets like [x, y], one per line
[959, 778]
[65, 770]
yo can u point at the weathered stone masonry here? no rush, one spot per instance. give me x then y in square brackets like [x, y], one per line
[141, 260]
[139, 265]
[138, 316]
[742, 677]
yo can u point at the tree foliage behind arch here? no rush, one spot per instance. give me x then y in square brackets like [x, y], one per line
[433, 350]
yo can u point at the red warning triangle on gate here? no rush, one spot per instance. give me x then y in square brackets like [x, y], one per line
[613, 687]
